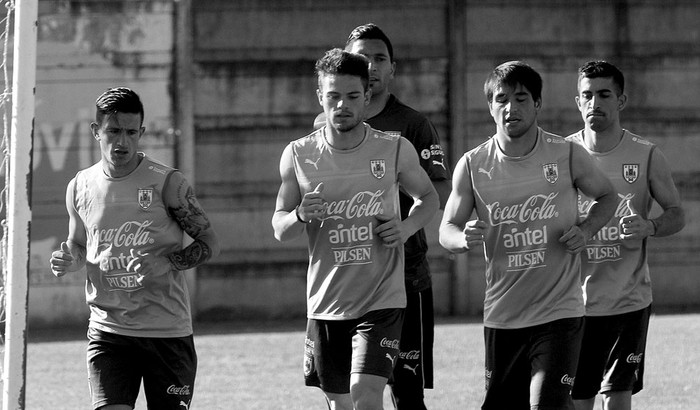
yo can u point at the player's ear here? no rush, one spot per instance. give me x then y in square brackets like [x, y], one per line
[94, 129]
[621, 102]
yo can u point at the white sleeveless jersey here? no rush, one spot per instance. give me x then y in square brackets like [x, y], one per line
[528, 203]
[121, 215]
[615, 273]
[350, 271]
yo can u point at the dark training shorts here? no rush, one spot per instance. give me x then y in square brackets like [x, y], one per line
[612, 354]
[532, 367]
[117, 365]
[336, 348]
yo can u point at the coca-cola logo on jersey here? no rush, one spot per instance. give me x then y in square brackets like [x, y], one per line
[537, 207]
[131, 234]
[362, 204]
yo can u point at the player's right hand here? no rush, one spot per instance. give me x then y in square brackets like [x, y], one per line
[61, 260]
[474, 232]
[312, 204]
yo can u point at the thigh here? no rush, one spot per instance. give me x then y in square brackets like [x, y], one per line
[375, 342]
[328, 354]
[625, 367]
[171, 370]
[507, 369]
[114, 371]
[554, 357]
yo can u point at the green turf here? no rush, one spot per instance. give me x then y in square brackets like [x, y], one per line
[260, 367]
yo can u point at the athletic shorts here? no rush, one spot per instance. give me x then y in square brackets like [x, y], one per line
[336, 348]
[612, 354]
[532, 367]
[118, 364]
[414, 368]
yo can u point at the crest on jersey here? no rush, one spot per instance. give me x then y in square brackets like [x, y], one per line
[378, 167]
[630, 172]
[551, 172]
[145, 197]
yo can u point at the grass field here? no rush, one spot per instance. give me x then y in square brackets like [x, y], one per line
[244, 367]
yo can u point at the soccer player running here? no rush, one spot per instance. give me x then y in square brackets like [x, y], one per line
[414, 367]
[340, 184]
[522, 183]
[127, 216]
[615, 272]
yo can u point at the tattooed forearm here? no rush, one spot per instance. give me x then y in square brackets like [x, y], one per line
[193, 255]
[188, 213]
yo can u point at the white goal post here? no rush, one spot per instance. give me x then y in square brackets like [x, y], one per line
[18, 212]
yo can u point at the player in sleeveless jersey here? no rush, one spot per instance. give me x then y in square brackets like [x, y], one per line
[414, 367]
[522, 184]
[340, 185]
[615, 271]
[127, 216]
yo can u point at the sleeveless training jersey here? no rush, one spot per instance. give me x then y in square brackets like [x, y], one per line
[399, 119]
[350, 271]
[120, 215]
[615, 273]
[528, 203]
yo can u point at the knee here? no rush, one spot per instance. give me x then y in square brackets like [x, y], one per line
[366, 396]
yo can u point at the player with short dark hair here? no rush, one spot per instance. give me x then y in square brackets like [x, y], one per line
[127, 217]
[522, 182]
[615, 271]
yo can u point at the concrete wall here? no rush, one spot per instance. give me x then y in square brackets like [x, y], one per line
[252, 91]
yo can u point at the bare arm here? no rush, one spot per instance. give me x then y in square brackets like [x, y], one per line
[457, 233]
[70, 257]
[591, 181]
[414, 182]
[285, 222]
[182, 204]
[664, 191]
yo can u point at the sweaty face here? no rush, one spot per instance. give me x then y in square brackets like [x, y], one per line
[343, 99]
[381, 69]
[513, 109]
[599, 102]
[119, 135]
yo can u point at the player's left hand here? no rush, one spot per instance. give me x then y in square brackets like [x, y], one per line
[575, 239]
[144, 264]
[634, 226]
[389, 230]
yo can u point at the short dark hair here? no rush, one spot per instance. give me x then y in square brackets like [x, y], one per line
[512, 73]
[371, 31]
[340, 62]
[601, 68]
[118, 99]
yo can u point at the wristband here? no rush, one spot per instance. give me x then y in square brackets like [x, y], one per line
[296, 212]
[656, 227]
